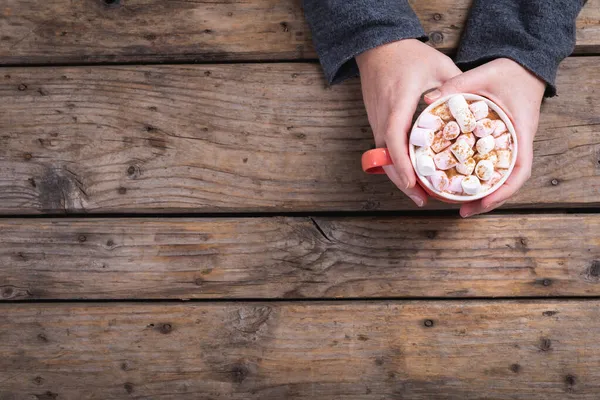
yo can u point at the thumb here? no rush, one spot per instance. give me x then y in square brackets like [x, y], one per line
[469, 82]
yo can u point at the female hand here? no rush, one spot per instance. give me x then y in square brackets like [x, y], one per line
[519, 93]
[393, 78]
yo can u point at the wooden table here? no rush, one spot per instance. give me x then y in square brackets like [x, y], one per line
[201, 229]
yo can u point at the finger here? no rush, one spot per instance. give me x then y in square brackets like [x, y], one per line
[416, 193]
[473, 81]
[515, 181]
[396, 140]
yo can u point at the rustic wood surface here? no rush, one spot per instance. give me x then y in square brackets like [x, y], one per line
[63, 31]
[270, 137]
[378, 350]
[244, 137]
[506, 256]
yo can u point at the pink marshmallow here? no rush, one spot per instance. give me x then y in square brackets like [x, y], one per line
[495, 178]
[503, 141]
[499, 128]
[430, 121]
[484, 128]
[445, 160]
[421, 137]
[451, 131]
[439, 143]
[469, 137]
[455, 184]
[479, 109]
[439, 181]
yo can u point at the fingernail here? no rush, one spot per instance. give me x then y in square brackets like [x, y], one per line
[433, 94]
[418, 201]
[466, 215]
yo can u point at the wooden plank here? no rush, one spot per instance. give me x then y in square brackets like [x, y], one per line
[64, 31]
[494, 256]
[244, 137]
[498, 350]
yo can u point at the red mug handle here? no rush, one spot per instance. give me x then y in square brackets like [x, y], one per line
[374, 160]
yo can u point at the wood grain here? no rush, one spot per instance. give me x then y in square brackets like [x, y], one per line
[63, 31]
[267, 258]
[244, 137]
[394, 350]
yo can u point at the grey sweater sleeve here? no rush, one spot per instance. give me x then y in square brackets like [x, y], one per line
[538, 34]
[342, 29]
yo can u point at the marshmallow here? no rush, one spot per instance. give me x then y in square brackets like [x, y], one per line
[430, 121]
[421, 137]
[460, 111]
[469, 137]
[485, 145]
[495, 178]
[484, 128]
[439, 181]
[471, 185]
[443, 112]
[503, 141]
[504, 158]
[425, 165]
[484, 170]
[451, 131]
[445, 160]
[439, 143]
[485, 187]
[499, 129]
[462, 151]
[467, 167]
[479, 109]
[419, 151]
[455, 184]
[489, 156]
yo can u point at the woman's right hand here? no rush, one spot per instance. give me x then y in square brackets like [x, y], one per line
[393, 78]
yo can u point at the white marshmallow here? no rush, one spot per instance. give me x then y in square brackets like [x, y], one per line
[425, 165]
[439, 143]
[471, 185]
[484, 170]
[462, 151]
[504, 159]
[469, 137]
[467, 167]
[479, 109]
[484, 128]
[439, 181]
[495, 178]
[430, 121]
[503, 141]
[445, 160]
[421, 137]
[424, 151]
[485, 145]
[451, 130]
[500, 127]
[459, 108]
[455, 185]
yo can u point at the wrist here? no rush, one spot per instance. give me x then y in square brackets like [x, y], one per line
[385, 52]
[512, 68]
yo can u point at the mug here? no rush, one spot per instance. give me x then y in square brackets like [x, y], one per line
[374, 160]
